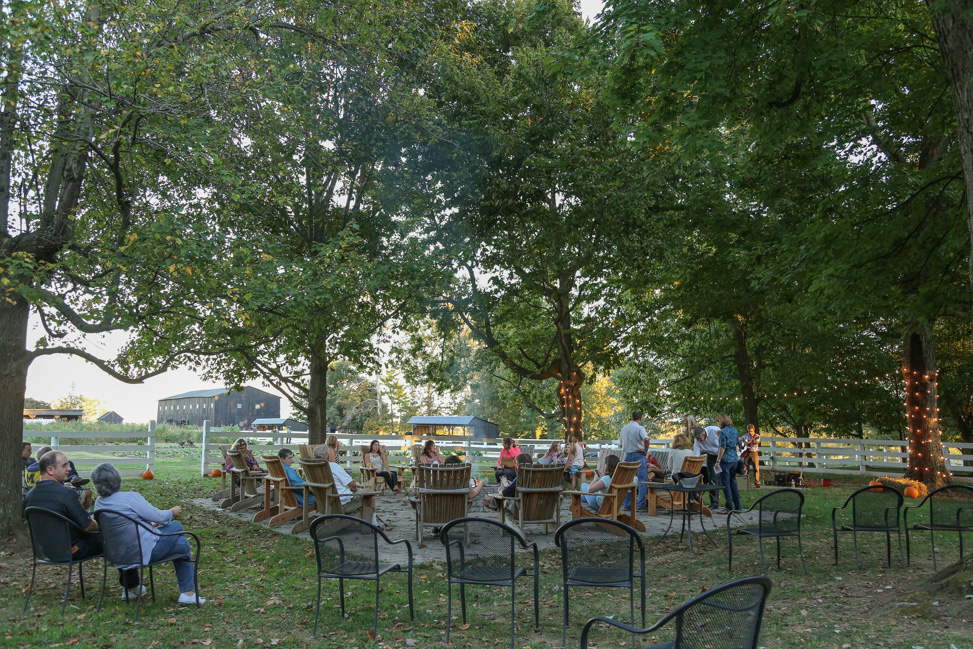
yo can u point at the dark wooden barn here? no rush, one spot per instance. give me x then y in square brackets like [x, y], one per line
[111, 417]
[221, 406]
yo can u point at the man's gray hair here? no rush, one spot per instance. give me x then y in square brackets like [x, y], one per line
[106, 479]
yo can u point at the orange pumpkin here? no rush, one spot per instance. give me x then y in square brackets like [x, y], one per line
[148, 475]
[216, 473]
[876, 483]
[911, 492]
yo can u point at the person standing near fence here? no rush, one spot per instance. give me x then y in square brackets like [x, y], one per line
[727, 461]
[635, 442]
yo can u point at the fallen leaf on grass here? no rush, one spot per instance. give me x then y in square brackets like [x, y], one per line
[464, 627]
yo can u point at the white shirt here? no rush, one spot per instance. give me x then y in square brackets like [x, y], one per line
[710, 444]
[676, 456]
[341, 482]
[630, 439]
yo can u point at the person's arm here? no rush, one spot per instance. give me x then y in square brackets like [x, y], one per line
[722, 441]
[475, 491]
[92, 525]
[385, 459]
[597, 485]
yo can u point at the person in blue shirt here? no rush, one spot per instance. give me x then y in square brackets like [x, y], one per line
[727, 459]
[287, 459]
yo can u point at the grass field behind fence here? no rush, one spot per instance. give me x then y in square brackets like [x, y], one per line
[261, 591]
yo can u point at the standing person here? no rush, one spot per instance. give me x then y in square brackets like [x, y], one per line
[50, 493]
[510, 451]
[706, 442]
[293, 477]
[688, 424]
[377, 458]
[635, 442]
[727, 461]
[574, 453]
[108, 482]
[751, 452]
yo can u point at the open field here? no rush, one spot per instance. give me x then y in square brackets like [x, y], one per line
[261, 591]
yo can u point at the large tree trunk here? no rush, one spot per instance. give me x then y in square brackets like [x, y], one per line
[14, 361]
[926, 462]
[953, 23]
[745, 375]
[569, 391]
[317, 401]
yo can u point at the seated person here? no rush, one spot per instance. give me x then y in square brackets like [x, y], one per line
[241, 446]
[287, 459]
[333, 445]
[508, 490]
[346, 488]
[430, 454]
[49, 493]
[378, 459]
[553, 455]
[108, 482]
[32, 472]
[476, 486]
[508, 455]
[25, 455]
[32, 475]
[679, 451]
[599, 486]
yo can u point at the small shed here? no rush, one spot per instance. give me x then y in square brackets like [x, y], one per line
[111, 417]
[473, 427]
[261, 425]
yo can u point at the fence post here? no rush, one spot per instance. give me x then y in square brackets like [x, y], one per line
[202, 452]
[818, 466]
[862, 459]
[150, 453]
[773, 455]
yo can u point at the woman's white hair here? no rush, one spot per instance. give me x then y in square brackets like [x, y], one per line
[106, 479]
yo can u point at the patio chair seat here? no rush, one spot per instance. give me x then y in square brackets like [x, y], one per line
[599, 577]
[488, 575]
[358, 568]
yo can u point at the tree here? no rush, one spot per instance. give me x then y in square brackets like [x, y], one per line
[857, 88]
[30, 402]
[91, 408]
[99, 104]
[537, 196]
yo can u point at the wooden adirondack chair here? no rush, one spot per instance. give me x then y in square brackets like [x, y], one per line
[625, 479]
[414, 452]
[306, 451]
[224, 491]
[538, 499]
[442, 495]
[284, 507]
[244, 486]
[692, 464]
[603, 456]
[368, 473]
[327, 500]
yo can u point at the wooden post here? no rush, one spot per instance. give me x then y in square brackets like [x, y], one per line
[202, 453]
[150, 453]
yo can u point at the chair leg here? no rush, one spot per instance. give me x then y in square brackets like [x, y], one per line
[854, 535]
[760, 544]
[564, 626]
[729, 545]
[81, 578]
[462, 600]
[778, 554]
[30, 589]
[888, 548]
[375, 633]
[449, 610]
[901, 558]
[317, 610]
[800, 549]
[961, 545]
[67, 590]
[908, 550]
[104, 582]
[513, 611]
[412, 613]
[341, 595]
[138, 594]
[537, 610]
[835, 534]
[932, 541]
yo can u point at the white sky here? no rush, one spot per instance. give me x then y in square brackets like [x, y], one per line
[51, 377]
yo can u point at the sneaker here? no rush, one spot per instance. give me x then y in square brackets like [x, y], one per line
[189, 599]
[489, 504]
[132, 594]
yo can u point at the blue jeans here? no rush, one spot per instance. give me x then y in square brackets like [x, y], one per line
[730, 490]
[590, 501]
[643, 476]
[178, 547]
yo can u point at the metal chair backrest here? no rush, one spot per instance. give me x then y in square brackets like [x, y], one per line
[951, 506]
[875, 506]
[539, 488]
[599, 551]
[780, 510]
[275, 468]
[481, 546]
[120, 538]
[50, 535]
[692, 465]
[339, 539]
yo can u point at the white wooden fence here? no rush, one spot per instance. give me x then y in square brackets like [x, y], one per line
[791, 454]
[138, 451]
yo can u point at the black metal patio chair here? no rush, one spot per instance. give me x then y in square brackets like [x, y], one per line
[122, 541]
[50, 540]
[600, 554]
[778, 515]
[483, 552]
[348, 548]
[726, 617]
[950, 510]
[873, 509]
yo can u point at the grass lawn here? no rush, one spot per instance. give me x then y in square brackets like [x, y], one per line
[261, 591]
